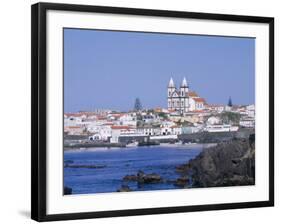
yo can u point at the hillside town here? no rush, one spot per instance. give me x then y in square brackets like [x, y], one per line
[186, 113]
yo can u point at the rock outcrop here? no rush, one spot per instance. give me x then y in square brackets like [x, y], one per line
[67, 190]
[143, 178]
[227, 164]
[124, 188]
[182, 182]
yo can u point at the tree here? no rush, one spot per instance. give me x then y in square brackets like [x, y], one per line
[229, 102]
[163, 115]
[138, 105]
[230, 118]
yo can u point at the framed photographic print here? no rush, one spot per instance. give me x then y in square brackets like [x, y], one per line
[139, 111]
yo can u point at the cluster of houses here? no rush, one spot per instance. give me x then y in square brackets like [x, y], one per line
[186, 113]
[109, 126]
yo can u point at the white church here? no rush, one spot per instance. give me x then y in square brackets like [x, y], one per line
[182, 99]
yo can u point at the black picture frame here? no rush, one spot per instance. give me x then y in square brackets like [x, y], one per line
[39, 122]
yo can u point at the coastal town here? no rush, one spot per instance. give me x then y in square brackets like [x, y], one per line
[187, 114]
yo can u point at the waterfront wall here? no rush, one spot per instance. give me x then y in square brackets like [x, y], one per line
[200, 137]
[215, 137]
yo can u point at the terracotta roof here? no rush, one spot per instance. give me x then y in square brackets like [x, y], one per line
[192, 94]
[174, 126]
[101, 118]
[199, 100]
[198, 111]
[116, 115]
[158, 109]
[72, 127]
[120, 127]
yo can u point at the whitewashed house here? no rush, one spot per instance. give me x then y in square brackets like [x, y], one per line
[166, 127]
[176, 130]
[128, 119]
[216, 108]
[213, 120]
[250, 109]
[117, 131]
[247, 122]
[149, 130]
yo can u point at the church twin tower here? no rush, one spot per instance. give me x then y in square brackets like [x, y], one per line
[178, 99]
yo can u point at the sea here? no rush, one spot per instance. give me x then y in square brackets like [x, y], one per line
[118, 162]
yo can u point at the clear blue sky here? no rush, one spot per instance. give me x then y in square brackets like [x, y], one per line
[109, 69]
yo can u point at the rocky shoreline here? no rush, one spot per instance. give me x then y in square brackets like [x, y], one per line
[230, 163]
[82, 142]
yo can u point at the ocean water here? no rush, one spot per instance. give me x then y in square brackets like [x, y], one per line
[120, 162]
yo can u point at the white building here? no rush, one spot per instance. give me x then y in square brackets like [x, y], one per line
[117, 131]
[129, 119]
[247, 122]
[182, 99]
[250, 109]
[166, 127]
[213, 120]
[149, 130]
[216, 108]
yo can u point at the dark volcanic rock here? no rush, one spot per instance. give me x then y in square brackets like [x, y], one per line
[130, 178]
[124, 188]
[67, 190]
[182, 181]
[143, 178]
[148, 178]
[183, 168]
[227, 164]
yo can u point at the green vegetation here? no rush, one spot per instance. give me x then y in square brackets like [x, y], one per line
[163, 115]
[230, 118]
[137, 106]
[186, 124]
[229, 102]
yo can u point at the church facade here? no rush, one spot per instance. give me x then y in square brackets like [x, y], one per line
[182, 99]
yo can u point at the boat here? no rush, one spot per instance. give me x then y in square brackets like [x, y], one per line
[132, 144]
[179, 143]
[221, 128]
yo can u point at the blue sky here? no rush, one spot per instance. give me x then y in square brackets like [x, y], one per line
[109, 69]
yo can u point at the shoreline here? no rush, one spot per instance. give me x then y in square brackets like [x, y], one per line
[168, 146]
[230, 163]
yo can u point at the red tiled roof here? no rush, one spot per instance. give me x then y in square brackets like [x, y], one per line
[200, 100]
[72, 127]
[192, 94]
[116, 115]
[120, 127]
[199, 111]
[174, 126]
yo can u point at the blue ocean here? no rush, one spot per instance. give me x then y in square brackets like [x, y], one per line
[115, 163]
